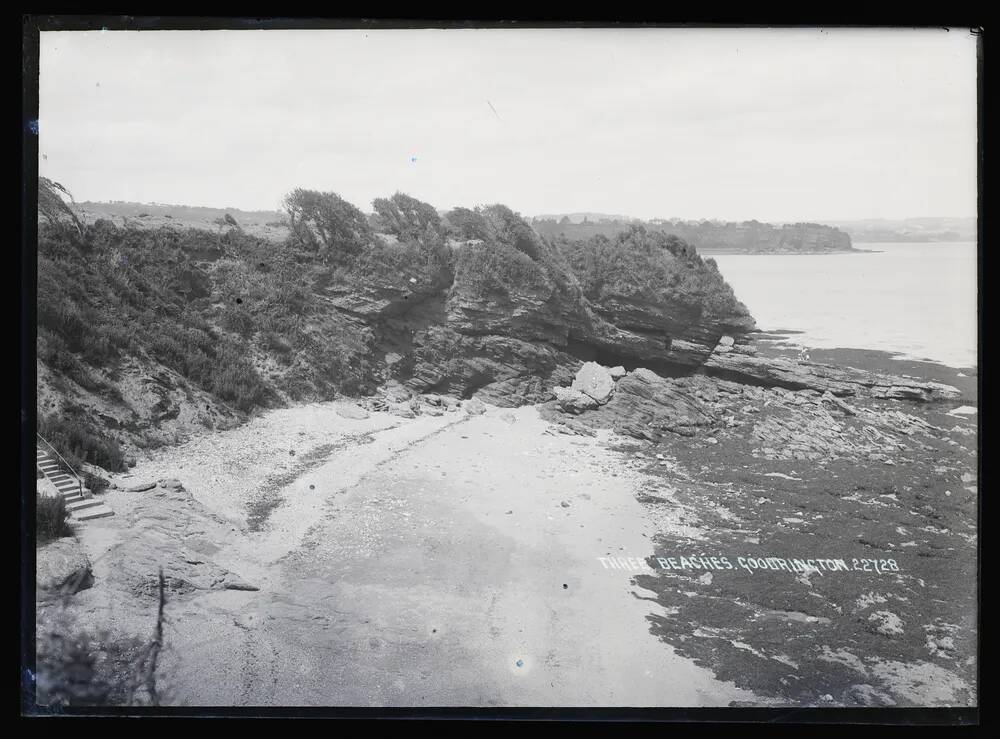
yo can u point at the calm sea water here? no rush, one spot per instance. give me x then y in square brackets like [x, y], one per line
[916, 300]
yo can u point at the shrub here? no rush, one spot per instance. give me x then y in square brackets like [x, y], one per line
[465, 224]
[430, 265]
[51, 519]
[325, 222]
[497, 269]
[54, 209]
[406, 217]
[650, 266]
[95, 483]
[76, 668]
[507, 227]
[78, 443]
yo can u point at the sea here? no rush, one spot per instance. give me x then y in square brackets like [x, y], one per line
[914, 300]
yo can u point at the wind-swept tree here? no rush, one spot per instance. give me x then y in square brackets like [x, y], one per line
[54, 209]
[507, 227]
[326, 222]
[406, 217]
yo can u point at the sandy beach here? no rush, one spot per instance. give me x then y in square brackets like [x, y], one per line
[390, 575]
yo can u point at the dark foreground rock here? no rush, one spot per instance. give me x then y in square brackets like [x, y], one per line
[887, 489]
[745, 483]
[843, 381]
[810, 422]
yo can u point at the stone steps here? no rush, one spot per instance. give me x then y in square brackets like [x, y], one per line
[81, 504]
[99, 511]
[81, 507]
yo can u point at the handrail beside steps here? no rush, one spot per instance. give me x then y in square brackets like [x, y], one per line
[79, 480]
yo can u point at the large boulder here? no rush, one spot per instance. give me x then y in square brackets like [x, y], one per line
[596, 381]
[62, 568]
[573, 401]
[644, 405]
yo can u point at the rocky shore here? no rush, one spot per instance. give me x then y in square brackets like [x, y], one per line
[279, 541]
[749, 483]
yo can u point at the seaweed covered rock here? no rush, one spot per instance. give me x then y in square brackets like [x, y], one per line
[839, 381]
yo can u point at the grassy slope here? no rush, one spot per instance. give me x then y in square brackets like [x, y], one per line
[228, 316]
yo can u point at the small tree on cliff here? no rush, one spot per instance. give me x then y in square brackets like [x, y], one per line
[54, 210]
[406, 217]
[507, 227]
[326, 222]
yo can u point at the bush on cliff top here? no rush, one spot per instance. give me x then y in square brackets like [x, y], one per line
[406, 217]
[649, 266]
[511, 259]
[326, 223]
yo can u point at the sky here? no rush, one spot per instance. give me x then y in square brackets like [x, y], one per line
[735, 124]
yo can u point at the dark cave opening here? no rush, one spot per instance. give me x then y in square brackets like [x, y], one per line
[608, 358]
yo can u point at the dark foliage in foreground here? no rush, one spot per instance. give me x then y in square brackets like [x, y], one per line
[75, 667]
[51, 519]
[79, 669]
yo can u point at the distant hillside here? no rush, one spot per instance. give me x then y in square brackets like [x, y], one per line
[266, 224]
[588, 216]
[925, 230]
[711, 237]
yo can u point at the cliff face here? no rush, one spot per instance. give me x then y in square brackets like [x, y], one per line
[522, 313]
[476, 304]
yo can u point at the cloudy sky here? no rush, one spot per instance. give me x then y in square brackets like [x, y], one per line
[778, 125]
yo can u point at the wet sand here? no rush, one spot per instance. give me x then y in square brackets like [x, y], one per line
[440, 561]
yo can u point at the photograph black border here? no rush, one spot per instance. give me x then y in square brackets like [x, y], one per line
[33, 24]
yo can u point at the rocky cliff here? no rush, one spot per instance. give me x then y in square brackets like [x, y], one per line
[521, 312]
[147, 334]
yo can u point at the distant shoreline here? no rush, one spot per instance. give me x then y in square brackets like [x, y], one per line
[716, 252]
